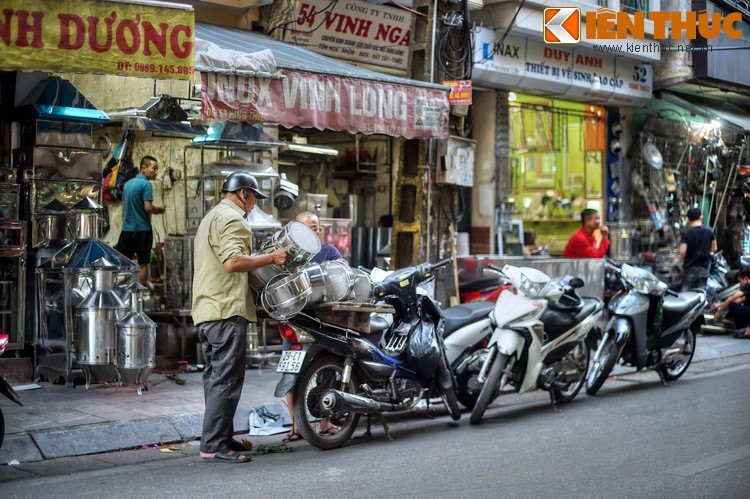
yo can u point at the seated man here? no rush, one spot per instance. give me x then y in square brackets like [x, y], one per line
[738, 305]
[582, 244]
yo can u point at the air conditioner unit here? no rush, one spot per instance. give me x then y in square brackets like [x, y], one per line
[476, 4]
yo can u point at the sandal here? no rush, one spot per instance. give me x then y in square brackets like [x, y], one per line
[243, 446]
[228, 457]
[293, 437]
[331, 430]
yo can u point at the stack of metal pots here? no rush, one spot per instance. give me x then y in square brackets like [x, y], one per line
[95, 335]
[136, 343]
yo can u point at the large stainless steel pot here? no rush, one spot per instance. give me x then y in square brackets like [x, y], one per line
[95, 318]
[86, 224]
[286, 295]
[136, 337]
[49, 227]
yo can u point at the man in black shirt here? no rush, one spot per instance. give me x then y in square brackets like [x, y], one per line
[739, 305]
[698, 242]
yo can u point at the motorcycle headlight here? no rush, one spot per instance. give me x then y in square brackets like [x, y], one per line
[642, 281]
[529, 287]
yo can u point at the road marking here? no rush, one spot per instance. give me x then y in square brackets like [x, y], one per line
[711, 462]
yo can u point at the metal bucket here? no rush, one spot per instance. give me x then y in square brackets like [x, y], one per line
[317, 277]
[95, 335]
[362, 289]
[339, 279]
[136, 337]
[286, 295]
[95, 318]
[86, 224]
[50, 227]
[301, 242]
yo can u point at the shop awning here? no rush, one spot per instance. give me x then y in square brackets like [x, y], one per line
[713, 110]
[315, 91]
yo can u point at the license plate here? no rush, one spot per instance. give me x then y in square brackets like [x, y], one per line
[291, 361]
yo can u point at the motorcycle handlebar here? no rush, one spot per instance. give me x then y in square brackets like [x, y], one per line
[440, 264]
[494, 267]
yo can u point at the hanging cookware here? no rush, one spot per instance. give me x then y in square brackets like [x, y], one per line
[653, 156]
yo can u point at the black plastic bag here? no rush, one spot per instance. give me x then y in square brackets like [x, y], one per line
[423, 352]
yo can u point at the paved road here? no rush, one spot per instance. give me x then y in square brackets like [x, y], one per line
[635, 439]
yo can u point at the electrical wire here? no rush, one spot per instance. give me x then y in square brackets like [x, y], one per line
[500, 42]
[454, 49]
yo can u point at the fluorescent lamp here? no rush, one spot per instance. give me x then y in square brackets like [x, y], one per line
[311, 149]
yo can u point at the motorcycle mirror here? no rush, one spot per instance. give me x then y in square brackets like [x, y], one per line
[576, 283]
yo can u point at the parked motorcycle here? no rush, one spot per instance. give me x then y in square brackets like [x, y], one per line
[538, 341]
[650, 326]
[5, 389]
[488, 288]
[337, 375]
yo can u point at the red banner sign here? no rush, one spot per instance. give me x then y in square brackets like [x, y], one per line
[460, 92]
[326, 102]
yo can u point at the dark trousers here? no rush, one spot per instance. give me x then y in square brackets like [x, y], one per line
[224, 347]
[694, 278]
[740, 315]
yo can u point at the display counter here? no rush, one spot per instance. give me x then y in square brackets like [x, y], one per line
[591, 270]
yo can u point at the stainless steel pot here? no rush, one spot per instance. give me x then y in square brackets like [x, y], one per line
[49, 227]
[86, 224]
[286, 295]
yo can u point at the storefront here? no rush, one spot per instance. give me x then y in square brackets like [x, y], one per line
[559, 101]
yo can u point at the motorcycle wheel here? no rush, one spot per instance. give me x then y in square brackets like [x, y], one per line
[601, 368]
[579, 358]
[319, 377]
[487, 394]
[449, 396]
[468, 399]
[451, 403]
[677, 368]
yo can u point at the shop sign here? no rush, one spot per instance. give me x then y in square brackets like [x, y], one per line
[312, 100]
[575, 72]
[563, 25]
[460, 92]
[90, 36]
[352, 30]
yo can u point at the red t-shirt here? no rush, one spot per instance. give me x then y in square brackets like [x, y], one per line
[583, 245]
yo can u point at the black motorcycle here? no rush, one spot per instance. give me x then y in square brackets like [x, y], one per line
[338, 375]
[5, 389]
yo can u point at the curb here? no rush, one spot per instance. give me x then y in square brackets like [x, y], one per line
[115, 436]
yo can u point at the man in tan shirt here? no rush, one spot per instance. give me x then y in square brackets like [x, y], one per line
[222, 308]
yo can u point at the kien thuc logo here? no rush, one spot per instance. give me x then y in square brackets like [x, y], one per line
[562, 25]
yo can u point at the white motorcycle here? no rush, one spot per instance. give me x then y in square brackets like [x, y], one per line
[539, 339]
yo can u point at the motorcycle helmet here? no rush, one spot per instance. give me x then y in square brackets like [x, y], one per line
[242, 180]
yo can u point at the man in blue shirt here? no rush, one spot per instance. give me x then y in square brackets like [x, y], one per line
[137, 237]
[327, 251]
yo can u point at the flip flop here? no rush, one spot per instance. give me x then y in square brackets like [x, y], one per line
[237, 446]
[293, 437]
[331, 431]
[225, 457]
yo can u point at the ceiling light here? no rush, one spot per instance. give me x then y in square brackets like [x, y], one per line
[311, 149]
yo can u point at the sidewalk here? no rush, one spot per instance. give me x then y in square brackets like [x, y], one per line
[56, 421]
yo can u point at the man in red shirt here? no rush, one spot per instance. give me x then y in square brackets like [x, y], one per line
[582, 244]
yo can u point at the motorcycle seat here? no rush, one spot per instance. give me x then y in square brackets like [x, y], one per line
[378, 324]
[682, 303]
[557, 321]
[466, 313]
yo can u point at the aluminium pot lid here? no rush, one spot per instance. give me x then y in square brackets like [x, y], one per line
[653, 156]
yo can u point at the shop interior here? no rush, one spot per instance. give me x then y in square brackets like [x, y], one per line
[557, 158]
